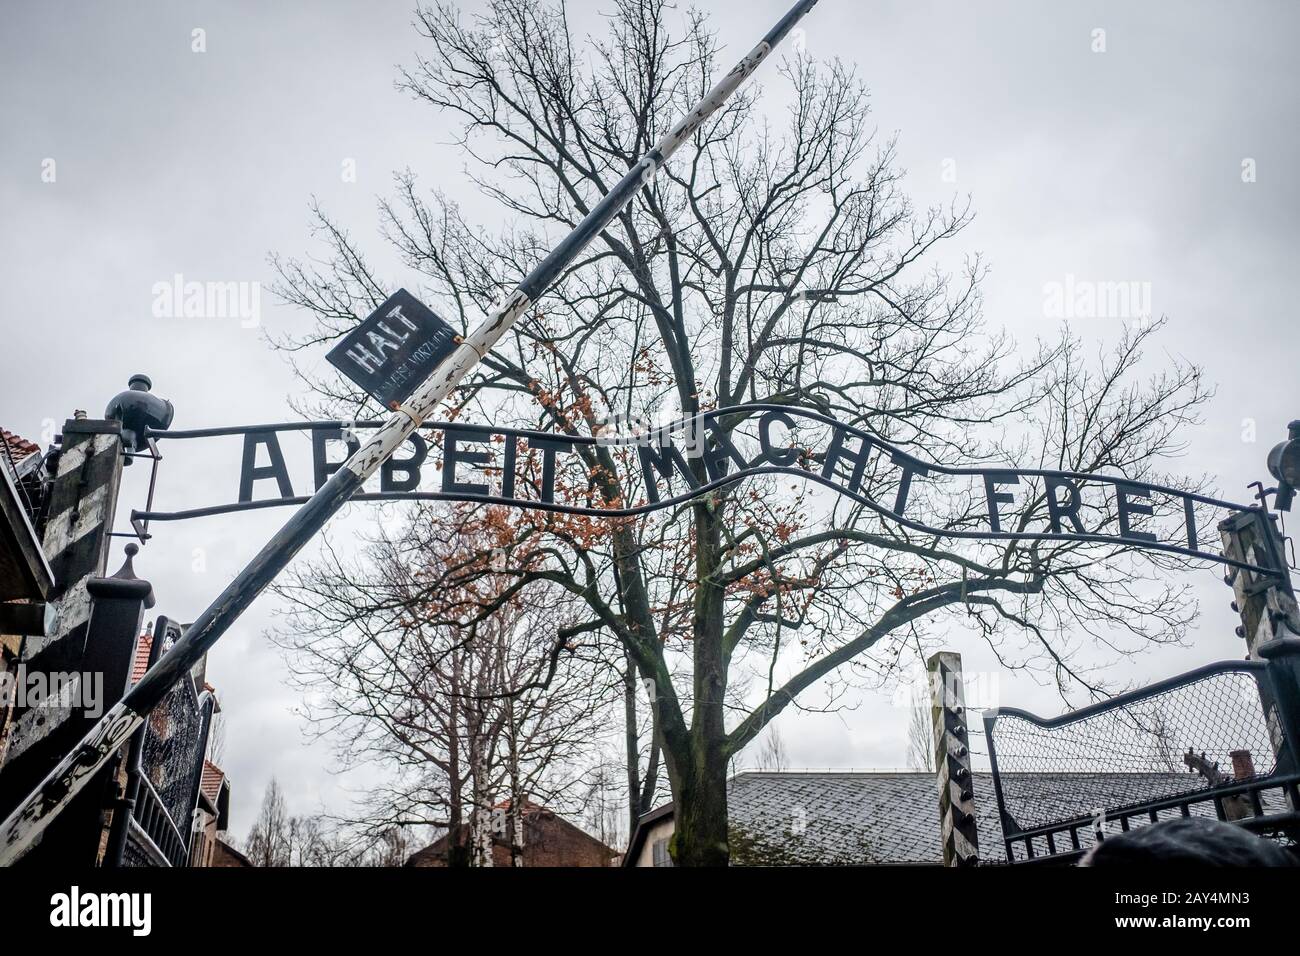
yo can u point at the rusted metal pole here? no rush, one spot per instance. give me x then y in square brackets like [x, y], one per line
[31, 817]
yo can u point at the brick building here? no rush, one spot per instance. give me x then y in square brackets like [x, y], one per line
[549, 840]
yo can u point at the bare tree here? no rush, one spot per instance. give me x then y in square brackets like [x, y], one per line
[1154, 721]
[605, 814]
[281, 840]
[920, 736]
[772, 754]
[477, 717]
[775, 260]
[270, 841]
[315, 843]
[217, 739]
[392, 847]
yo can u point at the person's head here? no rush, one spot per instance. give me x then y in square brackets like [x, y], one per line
[1190, 841]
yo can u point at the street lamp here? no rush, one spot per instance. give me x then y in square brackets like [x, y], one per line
[1284, 465]
[138, 410]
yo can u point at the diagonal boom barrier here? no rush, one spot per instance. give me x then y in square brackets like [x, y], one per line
[21, 829]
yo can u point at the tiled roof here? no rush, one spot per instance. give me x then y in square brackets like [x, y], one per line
[211, 782]
[846, 818]
[19, 447]
[549, 840]
[529, 806]
[141, 663]
[19, 458]
[888, 817]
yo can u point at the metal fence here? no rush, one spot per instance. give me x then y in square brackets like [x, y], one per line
[175, 738]
[1195, 745]
[156, 839]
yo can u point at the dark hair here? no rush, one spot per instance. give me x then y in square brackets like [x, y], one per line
[1190, 841]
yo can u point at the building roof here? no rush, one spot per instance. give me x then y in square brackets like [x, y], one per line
[845, 818]
[224, 854]
[549, 840]
[140, 665]
[24, 572]
[214, 793]
[18, 448]
[213, 777]
[840, 818]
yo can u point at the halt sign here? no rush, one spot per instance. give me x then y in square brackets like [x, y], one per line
[395, 348]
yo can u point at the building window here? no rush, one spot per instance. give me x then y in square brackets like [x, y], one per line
[659, 851]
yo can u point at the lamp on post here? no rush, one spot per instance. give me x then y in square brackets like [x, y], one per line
[1284, 465]
[139, 410]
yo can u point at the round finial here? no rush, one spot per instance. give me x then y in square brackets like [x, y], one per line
[127, 571]
[140, 382]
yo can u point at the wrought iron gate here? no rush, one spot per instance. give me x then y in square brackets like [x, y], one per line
[1199, 744]
[169, 766]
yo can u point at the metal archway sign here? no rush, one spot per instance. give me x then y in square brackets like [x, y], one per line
[528, 469]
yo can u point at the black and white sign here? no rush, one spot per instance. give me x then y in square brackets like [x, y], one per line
[552, 472]
[395, 348]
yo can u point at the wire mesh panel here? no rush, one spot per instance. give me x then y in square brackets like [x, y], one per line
[175, 739]
[173, 750]
[1167, 751]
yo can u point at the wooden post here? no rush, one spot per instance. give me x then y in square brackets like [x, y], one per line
[118, 606]
[952, 761]
[76, 536]
[82, 500]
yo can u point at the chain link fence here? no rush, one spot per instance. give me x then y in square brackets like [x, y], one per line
[1146, 756]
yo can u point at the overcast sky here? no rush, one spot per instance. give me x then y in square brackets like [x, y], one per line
[1117, 165]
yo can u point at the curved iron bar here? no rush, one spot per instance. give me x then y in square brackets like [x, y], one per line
[1128, 697]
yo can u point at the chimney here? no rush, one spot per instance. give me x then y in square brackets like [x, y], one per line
[1243, 766]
